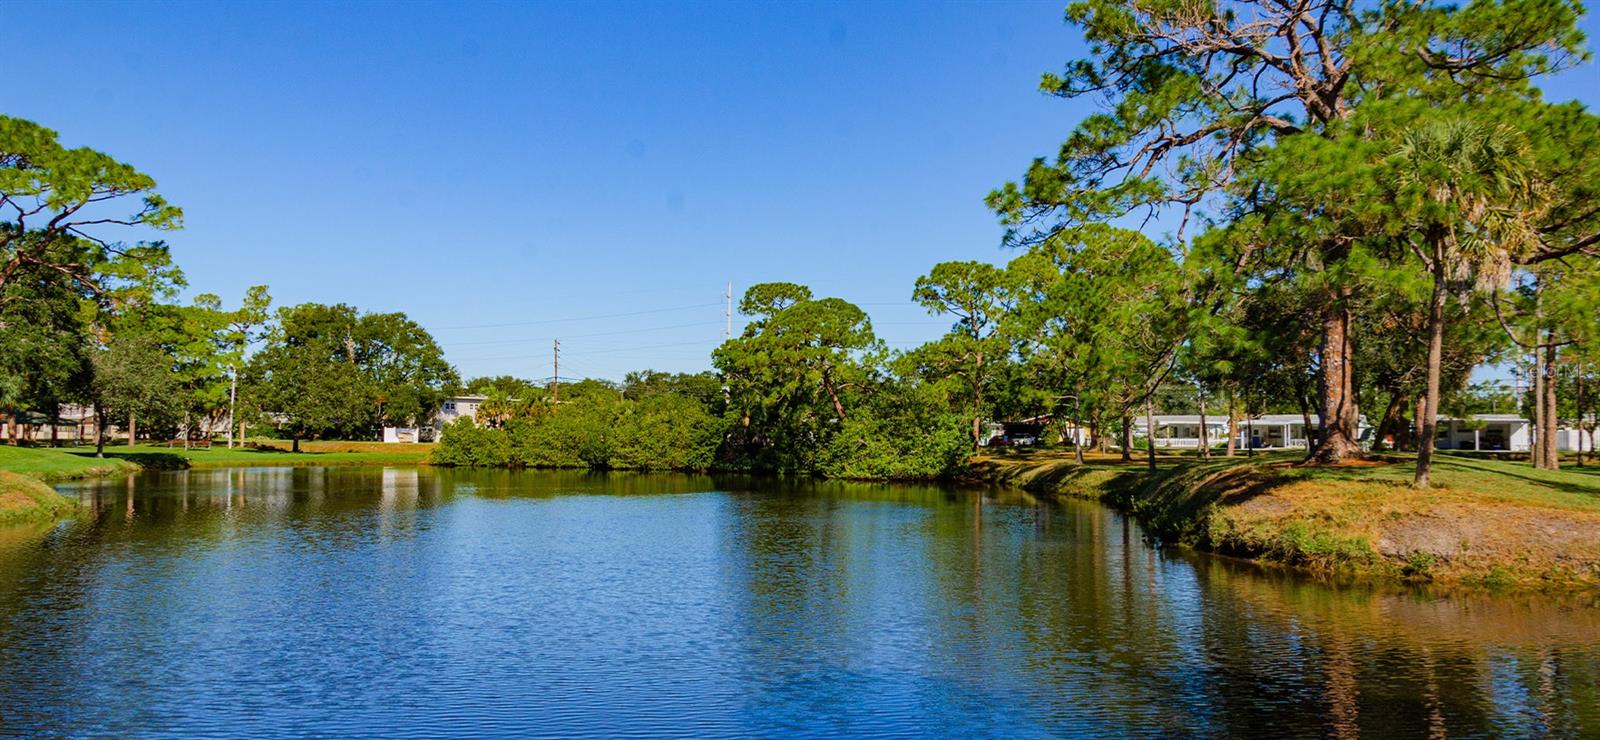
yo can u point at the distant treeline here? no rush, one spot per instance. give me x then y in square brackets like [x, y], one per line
[662, 421]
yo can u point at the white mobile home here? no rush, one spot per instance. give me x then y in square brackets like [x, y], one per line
[1183, 430]
[1264, 432]
[1487, 432]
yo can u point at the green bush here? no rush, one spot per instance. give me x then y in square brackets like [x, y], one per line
[465, 444]
[899, 440]
[664, 432]
[869, 447]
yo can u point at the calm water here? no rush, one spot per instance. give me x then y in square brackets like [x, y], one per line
[399, 602]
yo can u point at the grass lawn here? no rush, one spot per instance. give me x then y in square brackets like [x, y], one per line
[62, 463]
[1483, 520]
[274, 453]
[53, 464]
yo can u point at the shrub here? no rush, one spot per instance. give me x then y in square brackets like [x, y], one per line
[463, 443]
[664, 432]
[870, 447]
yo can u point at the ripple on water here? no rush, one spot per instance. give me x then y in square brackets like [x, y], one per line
[420, 603]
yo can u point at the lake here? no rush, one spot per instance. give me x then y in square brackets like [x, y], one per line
[403, 602]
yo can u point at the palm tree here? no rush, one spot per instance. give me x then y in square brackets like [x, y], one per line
[1469, 210]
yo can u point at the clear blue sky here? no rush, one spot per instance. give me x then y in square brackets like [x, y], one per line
[476, 164]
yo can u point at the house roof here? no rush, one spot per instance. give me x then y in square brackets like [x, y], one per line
[1223, 419]
[1287, 419]
[1518, 418]
[1186, 419]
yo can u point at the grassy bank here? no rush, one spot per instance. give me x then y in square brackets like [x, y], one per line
[54, 464]
[1485, 521]
[24, 498]
[274, 453]
[26, 471]
[66, 463]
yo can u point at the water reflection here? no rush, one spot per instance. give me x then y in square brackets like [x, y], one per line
[396, 601]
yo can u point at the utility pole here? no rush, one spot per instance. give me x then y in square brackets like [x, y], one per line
[727, 314]
[555, 379]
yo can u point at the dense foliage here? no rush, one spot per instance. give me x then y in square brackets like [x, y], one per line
[1362, 204]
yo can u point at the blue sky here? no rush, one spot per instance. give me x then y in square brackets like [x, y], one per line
[495, 169]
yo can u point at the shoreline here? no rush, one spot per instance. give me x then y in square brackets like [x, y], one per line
[1488, 524]
[1485, 525]
[25, 499]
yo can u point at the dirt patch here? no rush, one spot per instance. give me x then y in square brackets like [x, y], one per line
[23, 498]
[14, 500]
[1359, 463]
[1470, 536]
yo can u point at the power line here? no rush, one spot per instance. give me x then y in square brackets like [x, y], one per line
[577, 318]
[585, 353]
[584, 336]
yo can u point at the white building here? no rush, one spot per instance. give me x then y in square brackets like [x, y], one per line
[454, 407]
[1183, 430]
[1264, 432]
[73, 425]
[1486, 432]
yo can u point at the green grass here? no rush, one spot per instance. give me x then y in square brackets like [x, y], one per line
[65, 463]
[24, 498]
[53, 464]
[1467, 478]
[163, 457]
[1482, 520]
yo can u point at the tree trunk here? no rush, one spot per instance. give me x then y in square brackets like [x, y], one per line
[827, 385]
[1150, 431]
[1536, 450]
[99, 431]
[1414, 442]
[1233, 424]
[133, 428]
[1552, 411]
[1305, 426]
[977, 412]
[1205, 448]
[1077, 429]
[1340, 416]
[294, 444]
[1390, 423]
[1127, 436]
[1430, 412]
